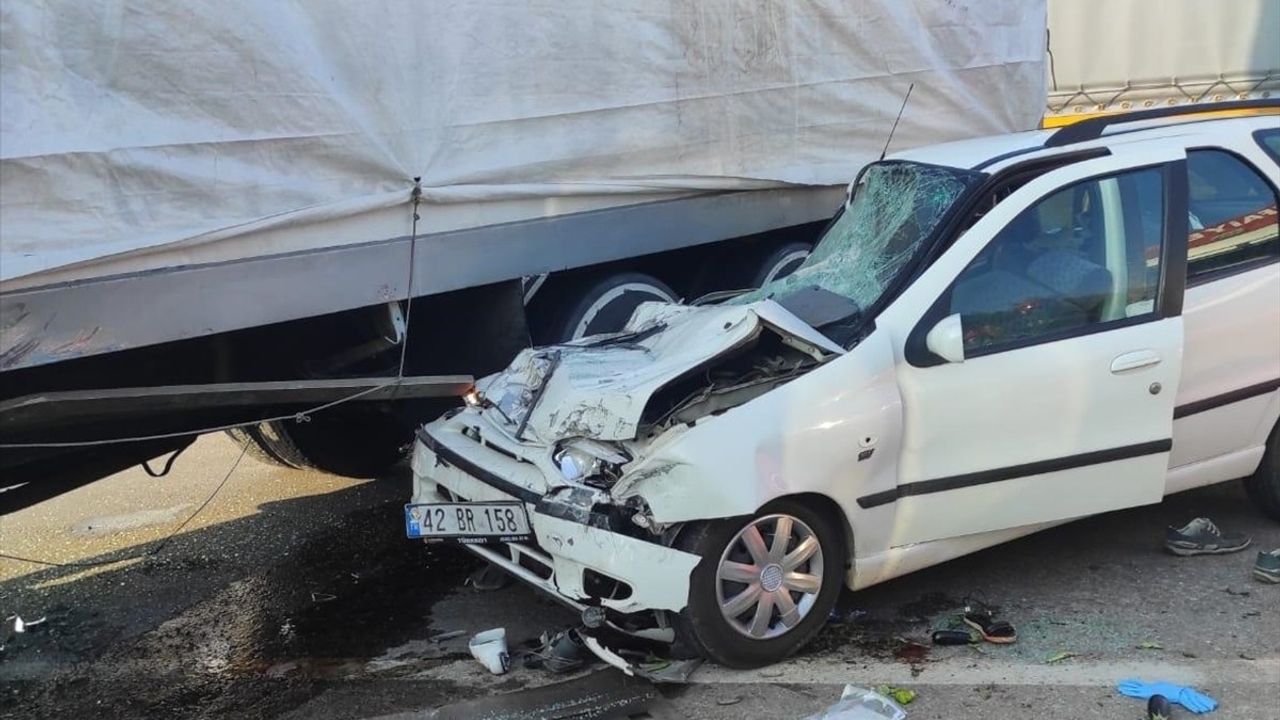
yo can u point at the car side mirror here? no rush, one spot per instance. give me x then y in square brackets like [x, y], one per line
[946, 339]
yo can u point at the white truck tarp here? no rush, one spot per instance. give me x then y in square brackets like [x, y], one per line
[138, 134]
[1114, 55]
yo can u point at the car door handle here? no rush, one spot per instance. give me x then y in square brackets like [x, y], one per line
[1135, 360]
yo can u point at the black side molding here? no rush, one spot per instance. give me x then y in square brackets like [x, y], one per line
[1011, 472]
[1227, 398]
[450, 457]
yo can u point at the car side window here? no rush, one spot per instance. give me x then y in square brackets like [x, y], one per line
[1084, 256]
[1231, 214]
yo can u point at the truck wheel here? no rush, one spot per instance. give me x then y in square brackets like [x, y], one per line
[268, 443]
[781, 262]
[765, 585]
[1264, 485]
[606, 305]
[357, 442]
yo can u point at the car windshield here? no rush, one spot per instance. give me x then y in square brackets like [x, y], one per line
[897, 205]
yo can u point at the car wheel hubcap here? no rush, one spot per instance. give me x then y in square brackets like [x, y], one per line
[769, 576]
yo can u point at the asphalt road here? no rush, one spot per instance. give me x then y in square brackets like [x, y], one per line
[295, 595]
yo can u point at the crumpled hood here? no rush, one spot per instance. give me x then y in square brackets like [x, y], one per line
[598, 387]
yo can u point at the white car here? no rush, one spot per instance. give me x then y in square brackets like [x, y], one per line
[993, 336]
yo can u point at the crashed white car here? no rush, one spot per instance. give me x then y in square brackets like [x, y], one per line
[992, 336]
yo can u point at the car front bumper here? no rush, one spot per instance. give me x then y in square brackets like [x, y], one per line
[572, 540]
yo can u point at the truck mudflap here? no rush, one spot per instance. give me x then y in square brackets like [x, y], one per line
[578, 559]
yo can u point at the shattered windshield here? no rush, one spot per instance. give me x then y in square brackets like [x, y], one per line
[896, 206]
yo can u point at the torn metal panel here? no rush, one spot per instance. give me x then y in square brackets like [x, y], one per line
[579, 505]
[786, 323]
[599, 387]
[661, 671]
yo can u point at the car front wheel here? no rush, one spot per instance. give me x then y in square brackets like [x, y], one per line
[765, 585]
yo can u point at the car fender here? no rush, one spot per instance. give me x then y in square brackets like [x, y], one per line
[834, 432]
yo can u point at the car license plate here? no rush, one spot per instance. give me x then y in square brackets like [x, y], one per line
[473, 522]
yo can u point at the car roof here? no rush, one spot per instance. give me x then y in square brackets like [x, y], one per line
[975, 151]
[993, 151]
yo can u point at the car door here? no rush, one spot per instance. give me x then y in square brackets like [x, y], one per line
[1061, 311]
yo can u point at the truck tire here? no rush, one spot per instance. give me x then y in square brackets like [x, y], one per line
[1264, 485]
[352, 441]
[781, 262]
[266, 442]
[709, 625]
[606, 305]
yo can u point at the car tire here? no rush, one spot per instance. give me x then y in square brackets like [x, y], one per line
[356, 442]
[709, 626]
[1264, 485]
[606, 305]
[781, 262]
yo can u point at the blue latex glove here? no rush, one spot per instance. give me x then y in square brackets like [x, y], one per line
[1189, 698]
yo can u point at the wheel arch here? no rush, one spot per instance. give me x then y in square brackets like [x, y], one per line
[828, 506]
[820, 502]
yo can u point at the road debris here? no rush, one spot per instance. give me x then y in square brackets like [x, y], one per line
[560, 652]
[668, 672]
[1202, 537]
[14, 625]
[319, 597]
[953, 637]
[644, 663]
[490, 648]
[1189, 698]
[982, 618]
[640, 661]
[902, 696]
[843, 617]
[608, 656]
[1149, 645]
[861, 704]
[1266, 568]
[1060, 656]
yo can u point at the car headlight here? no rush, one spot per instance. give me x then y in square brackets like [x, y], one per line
[575, 464]
[581, 458]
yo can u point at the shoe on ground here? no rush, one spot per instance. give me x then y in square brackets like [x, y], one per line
[1159, 708]
[1202, 537]
[1267, 567]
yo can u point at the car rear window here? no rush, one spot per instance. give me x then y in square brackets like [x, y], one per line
[1231, 213]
